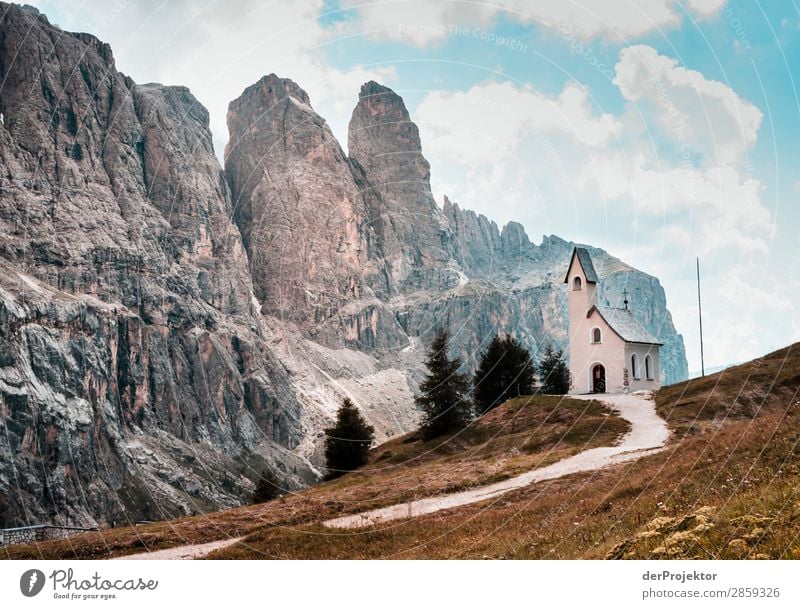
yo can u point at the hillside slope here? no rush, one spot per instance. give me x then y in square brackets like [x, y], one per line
[727, 486]
[520, 435]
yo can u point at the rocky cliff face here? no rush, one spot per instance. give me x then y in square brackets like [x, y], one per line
[168, 329]
[301, 215]
[135, 380]
[386, 154]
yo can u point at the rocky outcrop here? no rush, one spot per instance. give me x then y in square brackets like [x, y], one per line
[416, 266]
[386, 153]
[136, 381]
[475, 240]
[301, 215]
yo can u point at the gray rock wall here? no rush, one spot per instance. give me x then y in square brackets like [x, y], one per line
[135, 382]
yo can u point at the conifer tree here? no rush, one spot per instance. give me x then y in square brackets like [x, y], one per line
[348, 441]
[505, 371]
[444, 399]
[554, 373]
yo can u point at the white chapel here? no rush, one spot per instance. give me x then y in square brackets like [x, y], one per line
[609, 350]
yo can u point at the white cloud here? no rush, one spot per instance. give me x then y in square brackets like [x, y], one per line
[419, 23]
[704, 116]
[496, 130]
[717, 205]
[744, 310]
[503, 149]
[706, 182]
[706, 8]
[486, 123]
[424, 22]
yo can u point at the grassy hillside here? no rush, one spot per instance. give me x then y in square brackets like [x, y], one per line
[523, 434]
[727, 486]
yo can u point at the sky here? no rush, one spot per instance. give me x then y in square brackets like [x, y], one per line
[660, 130]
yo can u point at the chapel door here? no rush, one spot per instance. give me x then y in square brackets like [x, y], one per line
[598, 379]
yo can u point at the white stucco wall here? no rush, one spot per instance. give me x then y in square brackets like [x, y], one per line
[584, 354]
[578, 303]
[642, 382]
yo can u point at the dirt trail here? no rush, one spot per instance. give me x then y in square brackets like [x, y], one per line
[648, 435]
[183, 552]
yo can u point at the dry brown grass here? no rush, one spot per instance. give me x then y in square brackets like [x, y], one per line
[725, 487]
[523, 434]
[745, 470]
[739, 392]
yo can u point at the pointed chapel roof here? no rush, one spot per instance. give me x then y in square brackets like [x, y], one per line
[585, 260]
[625, 325]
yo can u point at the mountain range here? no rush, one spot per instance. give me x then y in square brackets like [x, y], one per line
[170, 328]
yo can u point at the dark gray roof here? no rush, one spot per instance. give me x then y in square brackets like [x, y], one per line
[586, 262]
[625, 324]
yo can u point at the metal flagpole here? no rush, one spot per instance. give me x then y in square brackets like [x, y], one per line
[700, 315]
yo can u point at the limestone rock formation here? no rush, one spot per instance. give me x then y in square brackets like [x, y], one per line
[421, 266]
[385, 145]
[302, 218]
[136, 381]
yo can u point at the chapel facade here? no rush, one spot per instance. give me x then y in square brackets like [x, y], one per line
[610, 351]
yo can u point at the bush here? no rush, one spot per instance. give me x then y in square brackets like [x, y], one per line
[348, 441]
[554, 373]
[268, 487]
[444, 398]
[505, 371]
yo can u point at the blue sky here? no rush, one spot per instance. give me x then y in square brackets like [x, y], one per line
[657, 129]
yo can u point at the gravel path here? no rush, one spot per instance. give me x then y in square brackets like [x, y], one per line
[648, 435]
[183, 552]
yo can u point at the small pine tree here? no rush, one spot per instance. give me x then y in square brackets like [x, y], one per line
[268, 487]
[444, 398]
[505, 371]
[554, 373]
[348, 441]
